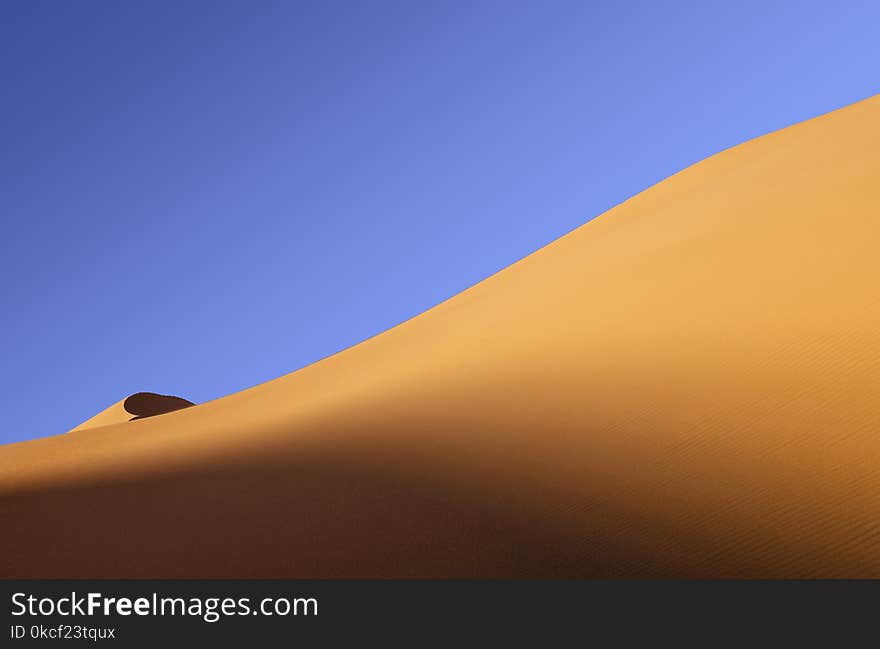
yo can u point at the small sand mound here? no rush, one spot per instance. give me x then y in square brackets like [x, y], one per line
[137, 406]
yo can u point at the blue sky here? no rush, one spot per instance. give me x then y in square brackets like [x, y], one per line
[197, 197]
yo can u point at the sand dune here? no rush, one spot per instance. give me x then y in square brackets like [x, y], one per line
[136, 406]
[687, 386]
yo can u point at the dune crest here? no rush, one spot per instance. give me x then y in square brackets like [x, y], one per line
[136, 406]
[686, 386]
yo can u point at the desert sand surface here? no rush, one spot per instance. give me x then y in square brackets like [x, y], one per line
[136, 406]
[685, 386]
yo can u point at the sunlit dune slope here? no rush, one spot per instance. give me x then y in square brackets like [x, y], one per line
[135, 406]
[688, 386]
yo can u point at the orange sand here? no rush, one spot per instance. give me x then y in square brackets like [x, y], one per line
[687, 386]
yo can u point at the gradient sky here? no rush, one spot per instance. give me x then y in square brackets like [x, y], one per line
[199, 197]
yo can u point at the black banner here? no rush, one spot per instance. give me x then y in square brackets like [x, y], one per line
[126, 613]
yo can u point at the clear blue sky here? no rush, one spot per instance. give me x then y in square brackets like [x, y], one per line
[201, 196]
